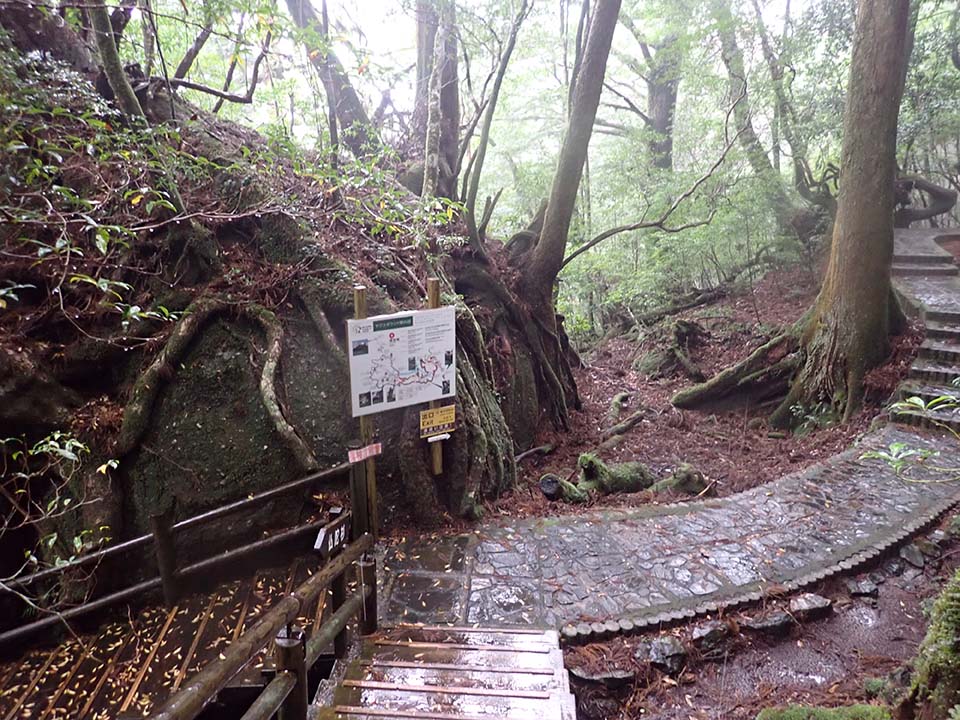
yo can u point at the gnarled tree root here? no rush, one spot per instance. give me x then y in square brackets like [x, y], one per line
[136, 415]
[762, 374]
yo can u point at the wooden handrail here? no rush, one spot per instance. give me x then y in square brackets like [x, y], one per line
[194, 695]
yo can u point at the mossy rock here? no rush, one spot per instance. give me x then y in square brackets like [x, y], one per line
[799, 712]
[210, 441]
[936, 679]
[654, 364]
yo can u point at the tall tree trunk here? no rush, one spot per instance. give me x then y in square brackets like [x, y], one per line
[541, 265]
[437, 114]
[103, 32]
[355, 128]
[749, 140]
[661, 73]
[546, 257]
[661, 107]
[847, 331]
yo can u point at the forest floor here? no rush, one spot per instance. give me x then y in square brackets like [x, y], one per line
[854, 655]
[733, 449]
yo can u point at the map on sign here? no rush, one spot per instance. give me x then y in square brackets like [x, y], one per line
[402, 359]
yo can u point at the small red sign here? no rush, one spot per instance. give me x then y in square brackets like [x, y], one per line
[355, 456]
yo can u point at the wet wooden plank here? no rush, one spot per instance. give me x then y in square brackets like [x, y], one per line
[24, 693]
[76, 689]
[134, 693]
[122, 671]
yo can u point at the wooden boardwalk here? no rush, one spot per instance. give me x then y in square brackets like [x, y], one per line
[450, 673]
[128, 666]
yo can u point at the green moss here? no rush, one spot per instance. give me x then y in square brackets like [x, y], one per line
[798, 712]
[624, 477]
[685, 479]
[936, 680]
[875, 687]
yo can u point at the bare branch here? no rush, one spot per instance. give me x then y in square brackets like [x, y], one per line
[660, 223]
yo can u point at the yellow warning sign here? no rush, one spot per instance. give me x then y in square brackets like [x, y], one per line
[436, 421]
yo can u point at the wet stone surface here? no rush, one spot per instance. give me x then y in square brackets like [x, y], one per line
[642, 563]
[637, 563]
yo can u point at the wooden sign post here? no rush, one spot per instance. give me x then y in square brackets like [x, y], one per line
[366, 425]
[436, 448]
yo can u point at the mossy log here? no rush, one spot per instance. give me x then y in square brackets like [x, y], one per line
[935, 690]
[599, 478]
[619, 478]
[685, 479]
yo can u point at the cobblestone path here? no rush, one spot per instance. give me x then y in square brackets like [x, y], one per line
[621, 569]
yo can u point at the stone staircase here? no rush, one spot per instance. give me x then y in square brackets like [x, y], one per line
[451, 673]
[923, 269]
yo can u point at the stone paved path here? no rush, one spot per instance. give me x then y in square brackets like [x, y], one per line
[653, 564]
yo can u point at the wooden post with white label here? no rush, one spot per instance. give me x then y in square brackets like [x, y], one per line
[436, 447]
[366, 425]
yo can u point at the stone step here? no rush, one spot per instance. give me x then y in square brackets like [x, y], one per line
[945, 317]
[902, 270]
[933, 371]
[936, 418]
[919, 258]
[941, 349]
[927, 392]
[938, 329]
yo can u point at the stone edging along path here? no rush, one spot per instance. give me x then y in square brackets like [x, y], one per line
[617, 571]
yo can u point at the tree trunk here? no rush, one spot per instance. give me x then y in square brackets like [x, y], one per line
[441, 132]
[542, 263]
[546, 258]
[356, 130]
[661, 107]
[749, 140]
[847, 331]
[112, 67]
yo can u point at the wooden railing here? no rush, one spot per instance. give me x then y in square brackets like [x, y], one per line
[295, 654]
[162, 538]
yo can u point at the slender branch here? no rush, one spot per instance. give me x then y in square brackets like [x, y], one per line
[191, 54]
[474, 186]
[631, 106]
[246, 98]
[660, 222]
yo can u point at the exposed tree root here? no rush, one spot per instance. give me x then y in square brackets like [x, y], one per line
[555, 393]
[274, 334]
[624, 425]
[763, 373]
[136, 415]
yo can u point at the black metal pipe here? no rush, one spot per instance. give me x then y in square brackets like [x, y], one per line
[142, 540]
[200, 568]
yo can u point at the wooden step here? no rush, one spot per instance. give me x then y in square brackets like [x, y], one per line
[450, 673]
